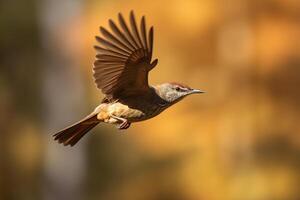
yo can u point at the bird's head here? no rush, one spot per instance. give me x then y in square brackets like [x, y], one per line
[174, 92]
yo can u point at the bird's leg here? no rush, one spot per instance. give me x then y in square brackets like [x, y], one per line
[125, 124]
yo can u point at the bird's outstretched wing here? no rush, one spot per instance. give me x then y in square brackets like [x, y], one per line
[123, 58]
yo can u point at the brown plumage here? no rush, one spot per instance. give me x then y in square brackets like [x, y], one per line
[72, 134]
[123, 61]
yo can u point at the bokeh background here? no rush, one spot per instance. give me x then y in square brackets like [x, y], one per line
[239, 141]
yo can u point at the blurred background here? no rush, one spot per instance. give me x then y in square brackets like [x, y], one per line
[239, 141]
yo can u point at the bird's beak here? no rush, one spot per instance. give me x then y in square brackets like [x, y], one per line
[195, 91]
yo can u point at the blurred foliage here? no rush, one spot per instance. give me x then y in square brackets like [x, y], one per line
[239, 141]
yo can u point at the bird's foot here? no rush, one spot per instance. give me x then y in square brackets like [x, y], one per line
[124, 125]
[124, 122]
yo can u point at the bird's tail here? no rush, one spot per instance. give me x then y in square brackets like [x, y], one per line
[72, 134]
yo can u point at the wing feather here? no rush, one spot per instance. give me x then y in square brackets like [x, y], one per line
[135, 30]
[123, 58]
[119, 34]
[126, 30]
[110, 57]
[111, 37]
[150, 42]
[101, 50]
[112, 46]
[143, 30]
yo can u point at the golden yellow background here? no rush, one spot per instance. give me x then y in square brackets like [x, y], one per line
[239, 141]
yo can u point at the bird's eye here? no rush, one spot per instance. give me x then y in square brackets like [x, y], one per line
[177, 89]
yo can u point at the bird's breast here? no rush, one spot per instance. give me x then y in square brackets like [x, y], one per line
[132, 114]
[124, 111]
[135, 107]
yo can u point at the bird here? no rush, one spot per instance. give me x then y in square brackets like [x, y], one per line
[120, 70]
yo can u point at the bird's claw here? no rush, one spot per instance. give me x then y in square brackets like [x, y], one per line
[124, 125]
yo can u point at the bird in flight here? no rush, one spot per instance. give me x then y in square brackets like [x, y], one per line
[123, 62]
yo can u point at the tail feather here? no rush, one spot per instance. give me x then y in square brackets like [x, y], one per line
[72, 134]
